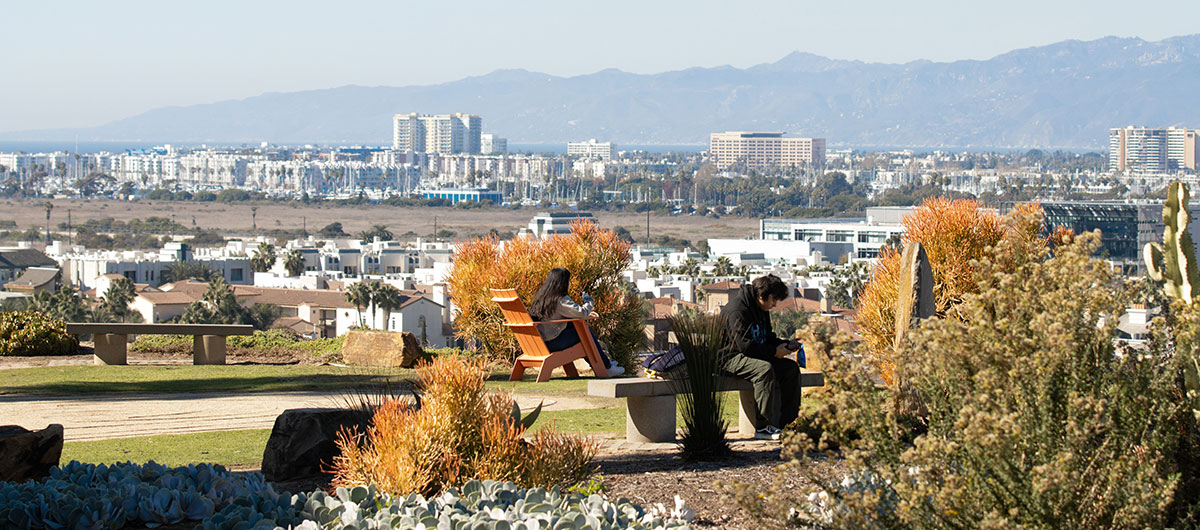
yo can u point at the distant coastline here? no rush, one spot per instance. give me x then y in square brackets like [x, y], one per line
[50, 146]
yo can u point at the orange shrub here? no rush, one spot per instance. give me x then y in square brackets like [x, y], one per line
[954, 233]
[595, 256]
[461, 432]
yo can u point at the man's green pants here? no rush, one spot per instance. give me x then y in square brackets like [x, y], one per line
[776, 387]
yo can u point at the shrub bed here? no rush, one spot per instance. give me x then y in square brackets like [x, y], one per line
[34, 333]
[122, 495]
[460, 432]
[261, 342]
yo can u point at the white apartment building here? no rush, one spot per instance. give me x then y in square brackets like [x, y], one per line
[866, 235]
[491, 144]
[86, 268]
[550, 223]
[1153, 149]
[440, 133]
[764, 149]
[606, 151]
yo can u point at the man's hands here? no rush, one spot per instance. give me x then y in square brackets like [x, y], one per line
[787, 348]
[782, 351]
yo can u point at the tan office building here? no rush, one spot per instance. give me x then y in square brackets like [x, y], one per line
[764, 149]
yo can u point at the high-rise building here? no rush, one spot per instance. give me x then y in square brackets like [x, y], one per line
[605, 151]
[441, 133]
[764, 149]
[491, 144]
[1152, 149]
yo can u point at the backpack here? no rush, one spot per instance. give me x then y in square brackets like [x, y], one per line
[663, 365]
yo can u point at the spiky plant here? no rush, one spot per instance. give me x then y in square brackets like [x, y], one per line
[702, 339]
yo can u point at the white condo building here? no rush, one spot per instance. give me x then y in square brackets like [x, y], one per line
[605, 151]
[439, 133]
[866, 236]
[491, 144]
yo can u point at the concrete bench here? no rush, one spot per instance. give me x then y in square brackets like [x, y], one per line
[208, 342]
[650, 405]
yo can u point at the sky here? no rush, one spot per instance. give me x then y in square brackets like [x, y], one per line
[85, 63]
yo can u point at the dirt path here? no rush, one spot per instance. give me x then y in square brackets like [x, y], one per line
[98, 417]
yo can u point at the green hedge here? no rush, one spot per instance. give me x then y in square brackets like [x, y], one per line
[261, 341]
[34, 333]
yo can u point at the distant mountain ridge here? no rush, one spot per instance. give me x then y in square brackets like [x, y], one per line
[1066, 94]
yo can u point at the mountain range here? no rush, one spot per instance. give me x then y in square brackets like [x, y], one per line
[1066, 94]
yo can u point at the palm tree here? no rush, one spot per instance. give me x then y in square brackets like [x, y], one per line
[49, 206]
[118, 297]
[379, 231]
[188, 270]
[264, 257]
[359, 294]
[387, 298]
[254, 218]
[723, 267]
[294, 263]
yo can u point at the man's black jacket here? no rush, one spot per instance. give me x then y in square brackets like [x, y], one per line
[749, 326]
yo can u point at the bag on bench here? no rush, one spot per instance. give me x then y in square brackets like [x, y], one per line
[665, 365]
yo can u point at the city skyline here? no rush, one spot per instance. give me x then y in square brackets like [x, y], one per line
[84, 73]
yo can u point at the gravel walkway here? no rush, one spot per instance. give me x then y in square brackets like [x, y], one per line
[98, 417]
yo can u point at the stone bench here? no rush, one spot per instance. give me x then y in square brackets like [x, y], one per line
[650, 405]
[208, 342]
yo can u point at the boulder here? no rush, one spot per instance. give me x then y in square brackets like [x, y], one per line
[382, 348]
[303, 441]
[26, 454]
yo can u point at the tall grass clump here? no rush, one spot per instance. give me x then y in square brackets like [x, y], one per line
[460, 432]
[1038, 417]
[702, 338]
[955, 235]
[596, 258]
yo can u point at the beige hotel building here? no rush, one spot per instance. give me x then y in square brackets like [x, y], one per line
[764, 149]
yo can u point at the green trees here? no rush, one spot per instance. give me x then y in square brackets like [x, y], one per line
[189, 270]
[373, 296]
[117, 298]
[332, 230]
[293, 262]
[359, 294]
[264, 257]
[377, 231]
[219, 305]
[723, 267]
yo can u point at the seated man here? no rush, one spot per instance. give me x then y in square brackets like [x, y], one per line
[756, 354]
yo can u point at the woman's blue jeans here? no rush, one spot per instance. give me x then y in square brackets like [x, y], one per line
[569, 337]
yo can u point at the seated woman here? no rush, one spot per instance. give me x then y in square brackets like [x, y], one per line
[552, 303]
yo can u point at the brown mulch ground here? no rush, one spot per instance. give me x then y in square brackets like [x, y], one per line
[650, 477]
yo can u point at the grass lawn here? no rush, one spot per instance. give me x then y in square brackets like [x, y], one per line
[184, 378]
[181, 379]
[229, 448]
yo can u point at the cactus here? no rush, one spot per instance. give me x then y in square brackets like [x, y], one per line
[1177, 253]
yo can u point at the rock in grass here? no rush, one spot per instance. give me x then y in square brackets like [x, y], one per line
[26, 454]
[303, 441]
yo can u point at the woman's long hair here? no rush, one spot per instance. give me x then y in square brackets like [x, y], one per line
[545, 302]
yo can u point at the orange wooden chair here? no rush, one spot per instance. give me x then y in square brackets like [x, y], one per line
[533, 348]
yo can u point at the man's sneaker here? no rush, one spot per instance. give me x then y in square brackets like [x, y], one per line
[615, 370]
[770, 432]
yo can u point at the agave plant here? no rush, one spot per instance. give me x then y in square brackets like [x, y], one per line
[702, 338]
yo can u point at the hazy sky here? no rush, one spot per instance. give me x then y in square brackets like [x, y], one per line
[85, 63]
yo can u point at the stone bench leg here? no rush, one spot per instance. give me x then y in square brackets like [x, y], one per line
[208, 349]
[746, 412]
[110, 349]
[650, 419]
